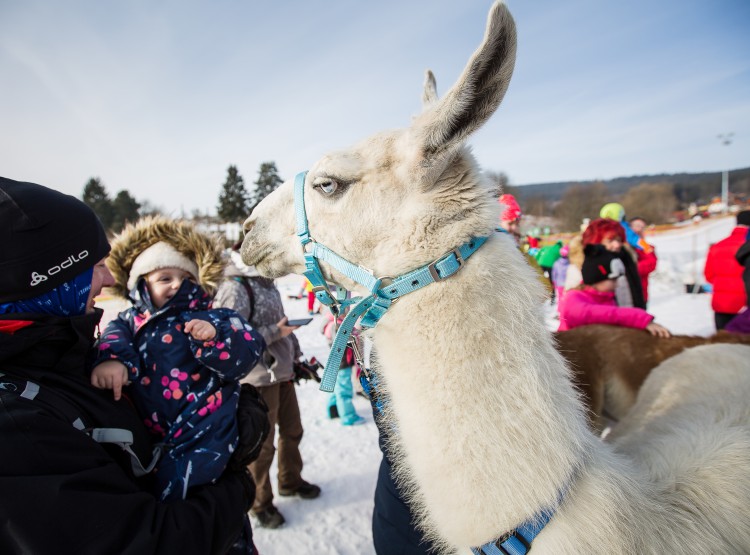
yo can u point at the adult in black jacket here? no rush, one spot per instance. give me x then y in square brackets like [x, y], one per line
[61, 490]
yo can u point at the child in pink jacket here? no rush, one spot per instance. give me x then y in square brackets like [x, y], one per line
[594, 301]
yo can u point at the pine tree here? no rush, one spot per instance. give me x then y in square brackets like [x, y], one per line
[233, 199]
[125, 210]
[95, 197]
[268, 181]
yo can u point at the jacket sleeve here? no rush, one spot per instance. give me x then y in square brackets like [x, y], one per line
[234, 351]
[743, 254]
[646, 262]
[578, 311]
[63, 493]
[116, 343]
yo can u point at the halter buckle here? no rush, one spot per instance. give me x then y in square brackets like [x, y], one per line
[433, 269]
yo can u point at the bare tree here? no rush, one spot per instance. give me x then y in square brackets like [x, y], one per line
[654, 202]
[579, 202]
[537, 205]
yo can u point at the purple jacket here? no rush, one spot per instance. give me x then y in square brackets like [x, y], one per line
[740, 323]
[560, 271]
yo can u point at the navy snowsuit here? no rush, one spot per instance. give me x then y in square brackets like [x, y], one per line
[185, 390]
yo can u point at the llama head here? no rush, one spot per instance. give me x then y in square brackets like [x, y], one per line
[401, 198]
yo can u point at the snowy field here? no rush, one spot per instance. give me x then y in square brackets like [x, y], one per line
[344, 461]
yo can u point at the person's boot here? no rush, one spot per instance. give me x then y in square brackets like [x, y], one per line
[305, 490]
[333, 410]
[269, 518]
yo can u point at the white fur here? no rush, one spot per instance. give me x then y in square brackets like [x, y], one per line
[489, 428]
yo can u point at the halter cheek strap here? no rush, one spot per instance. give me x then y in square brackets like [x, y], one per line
[371, 308]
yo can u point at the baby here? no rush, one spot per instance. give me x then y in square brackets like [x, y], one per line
[180, 360]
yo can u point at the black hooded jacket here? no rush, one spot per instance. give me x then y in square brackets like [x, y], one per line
[62, 492]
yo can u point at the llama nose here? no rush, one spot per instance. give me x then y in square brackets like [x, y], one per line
[248, 225]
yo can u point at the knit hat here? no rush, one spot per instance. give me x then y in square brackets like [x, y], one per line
[47, 239]
[743, 218]
[613, 211]
[157, 256]
[600, 264]
[512, 211]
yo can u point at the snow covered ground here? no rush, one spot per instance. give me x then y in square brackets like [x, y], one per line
[344, 461]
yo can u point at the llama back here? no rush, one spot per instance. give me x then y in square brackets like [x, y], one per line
[690, 431]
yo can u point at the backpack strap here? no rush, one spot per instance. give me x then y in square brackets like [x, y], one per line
[250, 295]
[117, 436]
[124, 440]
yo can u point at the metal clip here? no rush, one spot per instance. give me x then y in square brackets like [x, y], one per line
[352, 342]
[390, 280]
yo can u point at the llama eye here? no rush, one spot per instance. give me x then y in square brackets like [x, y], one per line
[327, 186]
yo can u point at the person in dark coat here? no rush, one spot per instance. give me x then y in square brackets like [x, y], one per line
[394, 530]
[65, 486]
[182, 359]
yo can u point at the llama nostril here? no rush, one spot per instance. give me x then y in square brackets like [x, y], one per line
[248, 225]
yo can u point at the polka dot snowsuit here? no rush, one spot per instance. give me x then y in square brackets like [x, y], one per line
[185, 390]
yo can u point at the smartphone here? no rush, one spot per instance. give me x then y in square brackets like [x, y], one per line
[299, 322]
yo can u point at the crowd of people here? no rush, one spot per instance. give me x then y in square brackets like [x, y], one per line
[585, 297]
[159, 433]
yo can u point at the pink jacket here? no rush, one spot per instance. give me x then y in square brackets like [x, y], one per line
[580, 307]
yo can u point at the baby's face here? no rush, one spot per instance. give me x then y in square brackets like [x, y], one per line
[163, 284]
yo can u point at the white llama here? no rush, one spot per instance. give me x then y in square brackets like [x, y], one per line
[490, 431]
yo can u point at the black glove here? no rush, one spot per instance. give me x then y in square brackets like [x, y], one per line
[253, 426]
[304, 370]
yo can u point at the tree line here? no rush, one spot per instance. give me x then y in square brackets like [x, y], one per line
[657, 199]
[234, 204]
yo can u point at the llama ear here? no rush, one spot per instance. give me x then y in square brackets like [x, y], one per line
[429, 91]
[476, 95]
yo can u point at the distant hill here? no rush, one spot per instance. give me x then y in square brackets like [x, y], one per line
[688, 187]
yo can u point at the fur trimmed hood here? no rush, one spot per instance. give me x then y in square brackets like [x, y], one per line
[206, 250]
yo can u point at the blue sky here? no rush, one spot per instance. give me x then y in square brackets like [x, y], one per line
[161, 97]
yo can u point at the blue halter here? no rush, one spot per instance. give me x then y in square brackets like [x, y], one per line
[371, 308]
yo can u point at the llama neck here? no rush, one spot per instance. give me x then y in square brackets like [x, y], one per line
[489, 429]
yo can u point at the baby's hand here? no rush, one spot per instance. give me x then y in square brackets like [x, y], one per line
[110, 374]
[200, 330]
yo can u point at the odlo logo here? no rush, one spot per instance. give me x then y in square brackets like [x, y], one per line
[37, 278]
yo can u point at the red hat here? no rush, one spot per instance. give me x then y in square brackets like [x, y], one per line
[512, 211]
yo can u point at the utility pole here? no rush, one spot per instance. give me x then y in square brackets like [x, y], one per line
[726, 140]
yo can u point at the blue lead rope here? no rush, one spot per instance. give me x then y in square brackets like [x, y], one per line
[369, 309]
